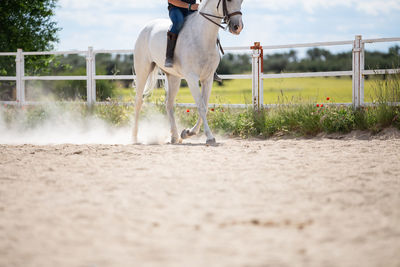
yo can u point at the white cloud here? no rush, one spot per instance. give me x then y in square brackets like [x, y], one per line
[370, 7]
[107, 19]
[377, 7]
[106, 4]
[116, 24]
[104, 24]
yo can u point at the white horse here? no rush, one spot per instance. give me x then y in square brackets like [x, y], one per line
[196, 59]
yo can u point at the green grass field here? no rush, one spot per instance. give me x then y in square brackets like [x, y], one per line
[292, 90]
[305, 119]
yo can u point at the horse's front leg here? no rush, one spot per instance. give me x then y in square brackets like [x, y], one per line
[173, 88]
[201, 103]
[205, 93]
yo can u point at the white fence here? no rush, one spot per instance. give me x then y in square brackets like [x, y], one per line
[257, 76]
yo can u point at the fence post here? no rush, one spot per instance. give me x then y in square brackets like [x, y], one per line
[362, 61]
[257, 72]
[358, 68]
[90, 82]
[20, 73]
[93, 89]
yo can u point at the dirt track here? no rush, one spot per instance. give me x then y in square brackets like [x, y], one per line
[316, 202]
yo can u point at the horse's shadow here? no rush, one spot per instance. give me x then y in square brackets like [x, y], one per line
[181, 144]
[196, 144]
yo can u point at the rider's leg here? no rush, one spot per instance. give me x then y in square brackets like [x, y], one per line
[177, 19]
[171, 43]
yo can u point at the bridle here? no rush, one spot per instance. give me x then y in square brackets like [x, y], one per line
[226, 16]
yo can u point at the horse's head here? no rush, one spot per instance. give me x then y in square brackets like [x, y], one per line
[228, 10]
[233, 15]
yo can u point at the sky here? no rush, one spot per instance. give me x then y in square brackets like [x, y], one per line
[105, 24]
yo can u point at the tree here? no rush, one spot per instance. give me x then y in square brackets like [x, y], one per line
[27, 25]
[279, 62]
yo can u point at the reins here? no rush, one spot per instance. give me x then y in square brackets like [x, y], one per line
[226, 16]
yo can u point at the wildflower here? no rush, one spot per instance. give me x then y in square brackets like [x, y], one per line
[328, 98]
[317, 105]
[187, 111]
[322, 105]
[212, 109]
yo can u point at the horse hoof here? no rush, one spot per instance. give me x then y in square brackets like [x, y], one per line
[176, 140]
[186, 134]
[135, 141]
[211, 142]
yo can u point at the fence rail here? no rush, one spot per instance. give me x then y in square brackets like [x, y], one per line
[257, 76]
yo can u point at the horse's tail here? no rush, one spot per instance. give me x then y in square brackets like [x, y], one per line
[151, 80]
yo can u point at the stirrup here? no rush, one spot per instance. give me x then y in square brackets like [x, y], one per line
[217, 78]
[169, 63]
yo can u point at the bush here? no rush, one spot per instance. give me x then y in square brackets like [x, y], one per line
[245, 124]
[296, 119]
[300, 119]
[113, 113]
[221, 120]
[338, 120]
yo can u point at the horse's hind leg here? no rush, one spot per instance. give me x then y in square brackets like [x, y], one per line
[142, 73]
[172, 90]
[186, 133]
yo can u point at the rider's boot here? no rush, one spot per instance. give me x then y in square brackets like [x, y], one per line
[171, 43]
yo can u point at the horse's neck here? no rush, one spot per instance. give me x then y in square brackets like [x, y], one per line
[210, 7]
[206, 29]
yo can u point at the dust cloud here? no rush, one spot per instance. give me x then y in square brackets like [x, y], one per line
[67, 127]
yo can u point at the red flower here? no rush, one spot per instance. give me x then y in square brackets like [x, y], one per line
[212, 109]
[317, 105]
[328, 98]
[322, 105]
[5, 105]
[187, 110]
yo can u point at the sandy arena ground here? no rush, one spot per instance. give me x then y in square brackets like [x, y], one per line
[317, 202]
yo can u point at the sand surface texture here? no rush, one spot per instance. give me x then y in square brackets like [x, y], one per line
[318, 202]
